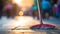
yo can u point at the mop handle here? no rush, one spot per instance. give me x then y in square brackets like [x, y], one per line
[40, 17]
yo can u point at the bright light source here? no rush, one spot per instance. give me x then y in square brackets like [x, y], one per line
[21, 13]
[16, 1]
[24, 3]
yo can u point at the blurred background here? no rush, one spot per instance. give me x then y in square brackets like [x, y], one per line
[48, 8]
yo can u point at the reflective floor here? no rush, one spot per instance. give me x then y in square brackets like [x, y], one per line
[30, 32]
[7, 24]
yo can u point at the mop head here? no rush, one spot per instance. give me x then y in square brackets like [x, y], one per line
[43, 26]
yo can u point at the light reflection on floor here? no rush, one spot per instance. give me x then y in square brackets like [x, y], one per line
[11, 24]
[24, 21]
[29, 32]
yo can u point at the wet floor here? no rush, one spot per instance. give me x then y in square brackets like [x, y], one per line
[5, 26]
[30, 32]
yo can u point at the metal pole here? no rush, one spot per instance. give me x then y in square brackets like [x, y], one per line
[40, 16]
